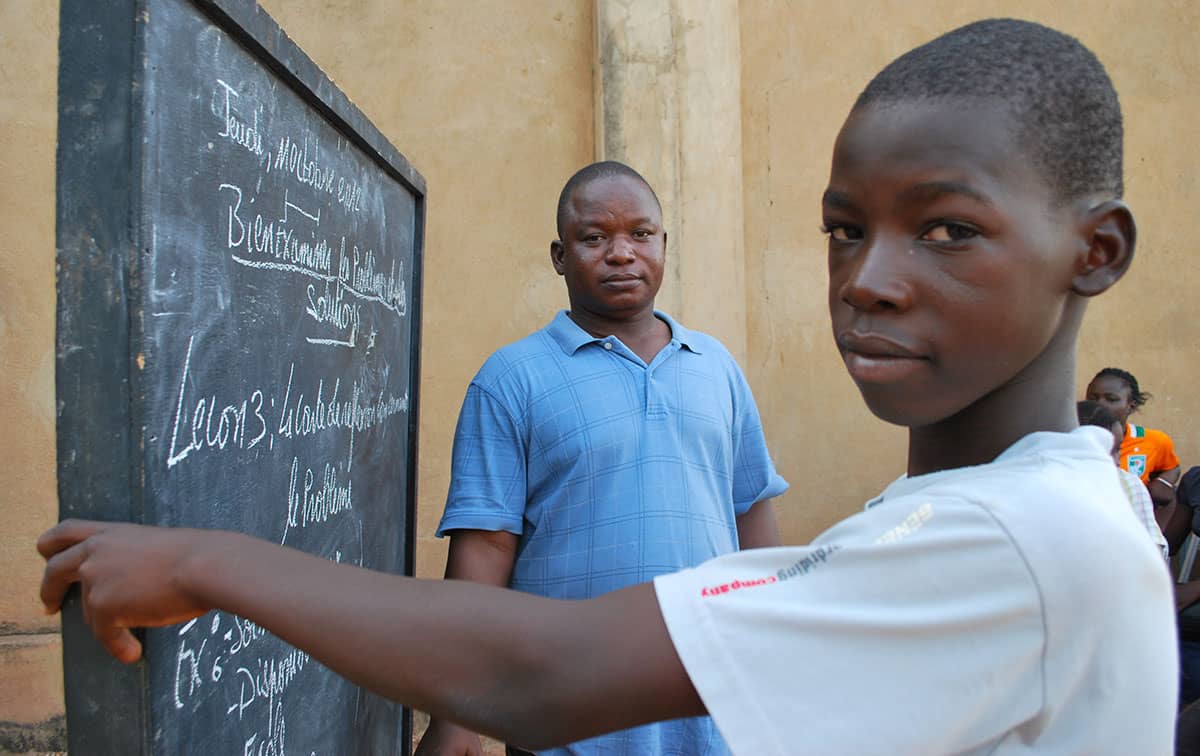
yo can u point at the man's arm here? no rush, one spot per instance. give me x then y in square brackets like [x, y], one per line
[757, 527]
[482, 556]
[529, 670]
[754, 475]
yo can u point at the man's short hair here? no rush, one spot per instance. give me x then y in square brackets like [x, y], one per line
[1065, 108]
[588, 174]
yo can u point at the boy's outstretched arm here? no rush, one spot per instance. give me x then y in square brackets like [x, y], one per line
[532, 671]
[484, 557]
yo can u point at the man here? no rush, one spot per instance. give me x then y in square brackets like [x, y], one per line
[610, 447]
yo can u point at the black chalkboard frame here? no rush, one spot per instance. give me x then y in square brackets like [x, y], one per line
[98, 245]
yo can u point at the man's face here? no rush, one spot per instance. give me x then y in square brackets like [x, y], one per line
[949, 266]
[1114, 394]
[613, 247]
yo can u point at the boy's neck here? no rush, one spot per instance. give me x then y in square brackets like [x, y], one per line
[1040, 398]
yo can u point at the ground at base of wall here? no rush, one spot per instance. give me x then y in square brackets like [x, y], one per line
[45, 737]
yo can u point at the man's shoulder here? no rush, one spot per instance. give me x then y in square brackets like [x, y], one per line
[711, 345]
[525, 355]
[701, 343]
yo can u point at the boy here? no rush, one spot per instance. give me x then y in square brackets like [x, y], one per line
[973, 206]
[610, 447]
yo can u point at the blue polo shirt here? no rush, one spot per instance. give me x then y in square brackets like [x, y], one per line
[610, 470]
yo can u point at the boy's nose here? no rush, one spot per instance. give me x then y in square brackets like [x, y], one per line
[876, 281]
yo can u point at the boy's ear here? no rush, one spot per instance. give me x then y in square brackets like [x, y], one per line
[1111, 235]
[556, 256]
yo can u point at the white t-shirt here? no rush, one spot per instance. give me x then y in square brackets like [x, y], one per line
[1016, 607]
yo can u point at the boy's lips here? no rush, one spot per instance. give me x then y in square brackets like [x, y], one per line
[871, 358]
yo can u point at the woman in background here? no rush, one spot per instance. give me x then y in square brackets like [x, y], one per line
[1145, 452]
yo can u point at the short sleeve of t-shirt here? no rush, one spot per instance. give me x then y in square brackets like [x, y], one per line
[487, 479]
[754, 474]
[914, 627]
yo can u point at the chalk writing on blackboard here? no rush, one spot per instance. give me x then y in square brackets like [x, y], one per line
[270, 296]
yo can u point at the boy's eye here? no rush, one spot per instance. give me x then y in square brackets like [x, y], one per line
[593, 238]
[949, 232]
[641, 234]
[841, 232]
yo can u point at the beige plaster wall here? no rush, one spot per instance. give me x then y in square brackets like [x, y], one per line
[28, 67]
[30, 666]
[491, 102]
[803, 63]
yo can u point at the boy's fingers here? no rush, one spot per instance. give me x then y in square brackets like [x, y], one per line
[66, 534]
[126, 648]
[62, 569]
[118, 641]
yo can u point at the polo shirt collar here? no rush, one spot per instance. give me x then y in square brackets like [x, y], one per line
[686, 337]
[570, 337]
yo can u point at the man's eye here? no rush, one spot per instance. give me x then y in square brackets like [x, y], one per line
[949, 232]
[593, 238]
[640, 234]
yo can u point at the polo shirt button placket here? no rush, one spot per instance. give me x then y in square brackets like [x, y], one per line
[608, 345]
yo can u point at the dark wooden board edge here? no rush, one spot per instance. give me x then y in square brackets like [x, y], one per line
[414, 422]
[95, 252]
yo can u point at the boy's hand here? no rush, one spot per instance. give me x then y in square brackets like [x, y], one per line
[127, 574]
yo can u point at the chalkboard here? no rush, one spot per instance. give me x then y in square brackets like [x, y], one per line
[239, 276]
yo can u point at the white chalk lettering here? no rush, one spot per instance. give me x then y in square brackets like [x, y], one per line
[233, 128]
[308, 502]
[213, 428]
[258, 237]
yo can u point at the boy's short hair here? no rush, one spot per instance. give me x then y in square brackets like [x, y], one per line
[588, 174]
[1058, 93]
[1095, 413]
